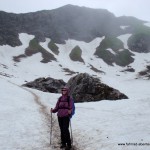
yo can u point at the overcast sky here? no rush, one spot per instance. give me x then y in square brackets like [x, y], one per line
[137, 8]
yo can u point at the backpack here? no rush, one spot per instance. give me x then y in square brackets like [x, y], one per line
[73, 107]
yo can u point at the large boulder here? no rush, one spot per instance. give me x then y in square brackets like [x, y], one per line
[85, 88]
[46, 85]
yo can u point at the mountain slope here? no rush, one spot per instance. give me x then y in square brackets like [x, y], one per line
[67, 22]
[32, 66]
[39, 44]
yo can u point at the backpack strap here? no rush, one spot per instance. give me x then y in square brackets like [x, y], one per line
[68, 99]
[59, 100]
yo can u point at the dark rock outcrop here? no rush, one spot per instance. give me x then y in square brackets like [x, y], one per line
[145, 73]
[95, 69]
[46, 85]
[85, 88]
[128, 69]
[69, 72]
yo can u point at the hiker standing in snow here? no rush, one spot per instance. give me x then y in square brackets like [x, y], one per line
[64, 108]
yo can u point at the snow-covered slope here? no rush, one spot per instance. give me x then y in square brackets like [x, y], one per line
[30, 68]
[96, 125]
[22, 126]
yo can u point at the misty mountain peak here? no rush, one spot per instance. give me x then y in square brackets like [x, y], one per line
[61, 24]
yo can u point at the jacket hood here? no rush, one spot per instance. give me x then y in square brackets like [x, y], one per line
[66, 88]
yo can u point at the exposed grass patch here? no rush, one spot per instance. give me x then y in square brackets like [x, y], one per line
[142, 29]
[122, 58]
[75, 54]
[34, 48]
[53, 47]
[107, 57]
[140, 40]
[110, 42]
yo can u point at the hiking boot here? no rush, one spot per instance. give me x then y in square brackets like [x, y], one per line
[68, 148]
[63, 146]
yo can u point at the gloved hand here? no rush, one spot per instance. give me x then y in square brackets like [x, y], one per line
[51, 110]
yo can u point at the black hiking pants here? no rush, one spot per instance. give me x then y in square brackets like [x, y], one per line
[64, 129]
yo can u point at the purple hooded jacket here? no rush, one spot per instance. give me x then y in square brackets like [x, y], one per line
[62, 106]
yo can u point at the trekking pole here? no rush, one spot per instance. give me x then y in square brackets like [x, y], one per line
[51, 130]
[71, 133]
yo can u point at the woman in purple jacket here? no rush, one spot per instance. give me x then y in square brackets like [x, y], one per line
[64, 108]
